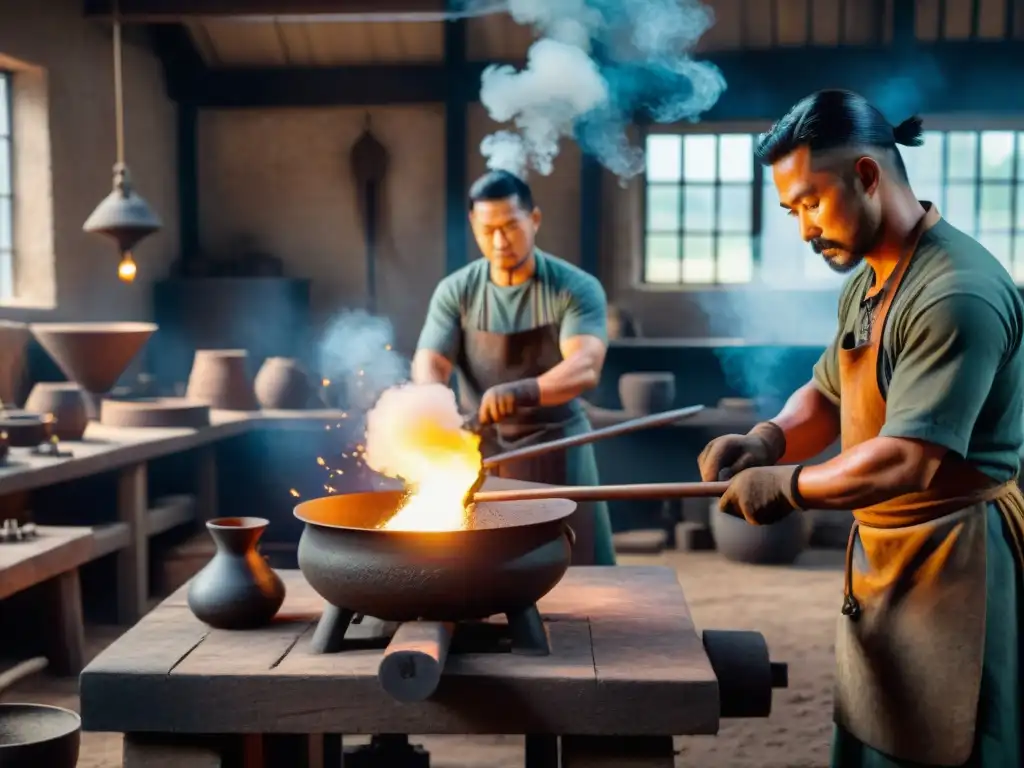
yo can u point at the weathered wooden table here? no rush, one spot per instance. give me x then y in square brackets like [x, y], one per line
[626, 673]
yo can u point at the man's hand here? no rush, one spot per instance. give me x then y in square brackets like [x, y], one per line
[762, 495]
[728, 455]
[505, 400]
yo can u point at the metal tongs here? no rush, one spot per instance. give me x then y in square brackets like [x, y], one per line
[622, 428]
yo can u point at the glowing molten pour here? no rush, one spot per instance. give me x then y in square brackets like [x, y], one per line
[414, 433]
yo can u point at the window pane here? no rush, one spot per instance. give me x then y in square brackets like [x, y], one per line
[699, 161]
[735, 259]
[1018, 259]
[1019, 204]
[962, 155]
[1020, 155]
[960, 207]
[996, 207]
[924, 163]
[661, 262]
[699, 208]
[663, 208]
[735, 208]
[6, 241]
[5, 104]
[6, 275]
[997, 149]
[5, 167]
[698, 259]
[736, 157]
[1000, 245]
[664, 158]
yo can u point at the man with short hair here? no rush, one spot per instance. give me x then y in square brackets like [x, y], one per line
[526, 333]
[924, 382]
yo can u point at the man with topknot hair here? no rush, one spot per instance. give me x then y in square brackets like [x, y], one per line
[924, 383]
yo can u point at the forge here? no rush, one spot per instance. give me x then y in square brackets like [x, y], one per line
[93, 355]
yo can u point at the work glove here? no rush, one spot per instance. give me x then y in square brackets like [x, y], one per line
[728, 455]
[505, 400]
[763, 495]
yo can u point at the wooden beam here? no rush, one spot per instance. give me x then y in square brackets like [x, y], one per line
[177, 11]
[939, 78]
[456, 116]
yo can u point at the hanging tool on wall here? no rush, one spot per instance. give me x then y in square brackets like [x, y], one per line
[369, 159]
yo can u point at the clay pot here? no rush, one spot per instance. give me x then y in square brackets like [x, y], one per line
[26, 430]
[778, 544]
[645, 393]
[283, 384]
[66, 403]
[237, 589]
[13, 340]
[220, 378]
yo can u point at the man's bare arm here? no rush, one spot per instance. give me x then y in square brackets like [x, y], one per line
[810, 422]
[874, 471]
[430, 367]
[580, 370]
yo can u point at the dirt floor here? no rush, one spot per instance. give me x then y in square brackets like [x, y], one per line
[796, 608]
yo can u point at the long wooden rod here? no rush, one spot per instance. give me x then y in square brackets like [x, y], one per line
[637, 492]
[623, 428]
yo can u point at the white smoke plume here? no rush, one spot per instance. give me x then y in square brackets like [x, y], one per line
[357, 357]
[596, 65]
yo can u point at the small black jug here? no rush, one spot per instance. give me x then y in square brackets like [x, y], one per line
[237, 589]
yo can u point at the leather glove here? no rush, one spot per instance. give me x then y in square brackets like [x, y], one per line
[504, 400]
[726, 456]
[763, 495]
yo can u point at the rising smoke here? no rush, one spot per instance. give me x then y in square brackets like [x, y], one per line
[597, 64]
[357, 356]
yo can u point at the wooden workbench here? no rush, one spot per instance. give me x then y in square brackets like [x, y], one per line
[127, 451]
[625, 660]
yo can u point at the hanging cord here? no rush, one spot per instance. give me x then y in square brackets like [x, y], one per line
[118, 87]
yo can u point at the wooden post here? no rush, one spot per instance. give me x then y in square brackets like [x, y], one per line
[64, 627]
[133, 560]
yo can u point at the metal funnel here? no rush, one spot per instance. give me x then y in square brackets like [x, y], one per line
[93, 355]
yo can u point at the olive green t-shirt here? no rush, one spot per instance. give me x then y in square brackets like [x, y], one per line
[950, 368]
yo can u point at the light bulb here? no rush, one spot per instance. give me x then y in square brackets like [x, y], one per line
[126, 269]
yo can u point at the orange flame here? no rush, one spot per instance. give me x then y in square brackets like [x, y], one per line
[437, 459]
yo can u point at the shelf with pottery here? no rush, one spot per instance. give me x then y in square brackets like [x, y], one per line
[100, 434]
[48, 558]
[107, 449]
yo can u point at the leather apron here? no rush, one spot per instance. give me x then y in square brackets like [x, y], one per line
[487, 359]
[911, 636]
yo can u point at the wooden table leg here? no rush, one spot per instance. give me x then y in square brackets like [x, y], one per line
[63, 625]
[142, 751]
[617, 752]
[206, 484]
[133, 560]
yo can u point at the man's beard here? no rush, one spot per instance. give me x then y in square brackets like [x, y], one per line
[846, 261]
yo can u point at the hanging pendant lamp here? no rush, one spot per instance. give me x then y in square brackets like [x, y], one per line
[123, 215]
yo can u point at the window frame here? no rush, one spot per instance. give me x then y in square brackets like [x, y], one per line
[943, 124]
[755, 184]
[8, 257]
